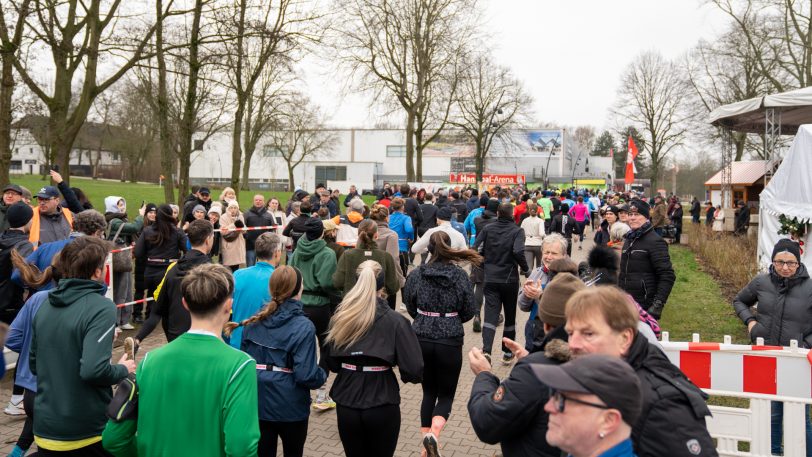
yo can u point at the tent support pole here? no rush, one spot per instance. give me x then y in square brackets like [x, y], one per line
[772, 134]
[727, 168]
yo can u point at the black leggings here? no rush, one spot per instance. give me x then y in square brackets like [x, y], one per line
[441, 372]
[498, 295]
[293, 435]
[320, 316]
[152, 279]
[366, 432]
[27, 434]
[94, 450]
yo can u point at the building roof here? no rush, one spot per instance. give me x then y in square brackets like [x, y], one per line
[744, 173]
[92, 135]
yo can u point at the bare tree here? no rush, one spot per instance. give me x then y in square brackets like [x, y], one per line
[301, 135]
[585, 136]
[406, 54]
[79, 35]
[139, 122]
[650, 98]
[11, 43]
[490, 103]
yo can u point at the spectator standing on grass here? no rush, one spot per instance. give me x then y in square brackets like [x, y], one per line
[256, 216]
[232, 241]
[351, 194]
[123, 234]
[71, 347]
[251, 291]
[709, 213]
[203, 198]
[646, 272]
[278, 217]
[215, 213]
[283, 342]
[696, 210]
[169, 309]
[367, 340]
[602, 320]
[159, 245]
[784, 306]
[659, 215]
[676, 219]
[51, 222]
[325, 201]
[196, 395]
[742, 219]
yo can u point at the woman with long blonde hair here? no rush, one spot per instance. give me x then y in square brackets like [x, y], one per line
[282, 341]
[366, 339]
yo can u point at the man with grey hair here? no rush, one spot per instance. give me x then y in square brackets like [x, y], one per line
[326, 202]
[251, 291]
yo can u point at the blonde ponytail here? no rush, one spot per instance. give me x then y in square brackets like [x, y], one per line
[356, 313]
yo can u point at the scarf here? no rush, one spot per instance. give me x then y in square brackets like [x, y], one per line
[635, 234]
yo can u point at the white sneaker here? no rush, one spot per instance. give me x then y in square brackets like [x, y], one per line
[15, 408]
[127, 326]
[403, 307]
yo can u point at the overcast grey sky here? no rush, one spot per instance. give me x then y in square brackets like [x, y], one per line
[570, 54]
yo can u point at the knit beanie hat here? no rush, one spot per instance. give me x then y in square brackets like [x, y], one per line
[785, 245]
[19, 214]
[553, 301]
[200, 208]
[314, 228]
[641, 207]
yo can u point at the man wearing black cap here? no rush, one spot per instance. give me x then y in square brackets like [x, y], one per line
[502, 245]
[18, 217]
[12, 193]
[51, 222]
[203, 197]
[596, 400]
[646, 272]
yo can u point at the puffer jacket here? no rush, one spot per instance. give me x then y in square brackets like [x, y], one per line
[784, 307]
[439, 288]
[285, 339]
[502, 245]
[672, 420]
[646, 272]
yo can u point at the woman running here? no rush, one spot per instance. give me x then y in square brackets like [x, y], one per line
[159, 245]
[367, 249]
[440, 298]
[283, 342]
[581, 214]
[388, 241]
[366, 339]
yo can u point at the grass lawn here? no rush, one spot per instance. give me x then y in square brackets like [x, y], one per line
[696, 304]
[97, 190]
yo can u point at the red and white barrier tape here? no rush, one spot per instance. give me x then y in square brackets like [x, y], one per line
[129, 303]
[246, 229]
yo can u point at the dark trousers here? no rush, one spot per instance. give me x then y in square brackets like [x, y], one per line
[479, 296]
[677, 234]
[27, 434]
[497, 296]
[293, 435]
[392, 300]
[403, 258]
[320, 316]
[152, 279]
[369, 432]
[441, 372]
[94, 450]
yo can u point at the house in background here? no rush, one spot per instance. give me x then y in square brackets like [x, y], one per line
[747, 182]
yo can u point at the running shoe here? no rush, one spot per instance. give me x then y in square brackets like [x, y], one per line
[127, 326]
[507, 358]
[15, 408]
[323, 401]
[477, 324]
[430, 443]
[487, 357]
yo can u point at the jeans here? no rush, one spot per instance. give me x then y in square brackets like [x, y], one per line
[777, 429]
[250, 258]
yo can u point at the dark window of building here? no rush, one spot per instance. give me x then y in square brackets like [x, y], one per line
[331, 173]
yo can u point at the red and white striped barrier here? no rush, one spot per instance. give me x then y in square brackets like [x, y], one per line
[247, 229]
[125, 248]
[763, 374]
[134, 302]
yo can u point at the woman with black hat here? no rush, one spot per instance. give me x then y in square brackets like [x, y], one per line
[367, 339]
[784, 298]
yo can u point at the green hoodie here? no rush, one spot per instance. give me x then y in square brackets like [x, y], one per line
[317, 262]
[70, 353]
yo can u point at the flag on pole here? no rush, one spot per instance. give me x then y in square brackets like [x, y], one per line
[630, 156]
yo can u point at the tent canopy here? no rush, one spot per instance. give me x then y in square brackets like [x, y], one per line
[749, 116]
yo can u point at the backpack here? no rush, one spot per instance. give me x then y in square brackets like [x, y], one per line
[122, 261]
[347, 232]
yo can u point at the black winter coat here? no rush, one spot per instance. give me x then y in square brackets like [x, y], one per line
[150, 255]
[742, 221]
[413, 210]
[11, 295]
[564, 225]
[296, 229]
[674, 409]
[389, 342]
[602, 234]
[676, 217]
[784, 307]
[461, 208]
[429, 221]
[502, 245]
[645, 269]
[439, 288]
[256, 217]
[512, 412]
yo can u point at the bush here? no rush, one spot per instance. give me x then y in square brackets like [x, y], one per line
[731, 259]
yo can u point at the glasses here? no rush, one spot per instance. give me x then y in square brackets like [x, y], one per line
[782, 264]
[560, 400]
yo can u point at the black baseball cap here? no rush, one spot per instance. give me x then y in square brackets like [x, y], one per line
[203, 190]
[14, 188]
[609, 378]
[48, 192]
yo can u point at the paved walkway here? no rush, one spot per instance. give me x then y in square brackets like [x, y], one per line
[457, 440]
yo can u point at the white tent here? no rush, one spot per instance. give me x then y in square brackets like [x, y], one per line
[788, 193]
[795, 107]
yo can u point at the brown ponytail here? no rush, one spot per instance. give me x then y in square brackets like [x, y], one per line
[441, 250]
[31, 275]
[282, 284]
[366, 234]
[379, 213]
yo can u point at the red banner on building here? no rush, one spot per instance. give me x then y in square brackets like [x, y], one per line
[487, 179]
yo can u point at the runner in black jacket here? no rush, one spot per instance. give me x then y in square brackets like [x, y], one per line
[366, 390]
[564, 225]
[502, 245]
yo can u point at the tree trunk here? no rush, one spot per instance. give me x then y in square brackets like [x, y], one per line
[190, 104]
[236, 147]
[291, 185]
[249, 146]
[739, 141]
[167, 152]
[480, 162]
[6, 92]
[410, 117]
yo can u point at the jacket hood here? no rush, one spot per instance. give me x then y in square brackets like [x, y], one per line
[309, 248]
[110, 204]
[191, 259]
[784, 284]
[11, 238]
[440, 273]
[286, 311]
[71, 290]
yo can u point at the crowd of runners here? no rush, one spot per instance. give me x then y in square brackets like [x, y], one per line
[261, 306]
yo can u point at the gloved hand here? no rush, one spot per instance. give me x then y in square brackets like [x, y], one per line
[656, 309]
